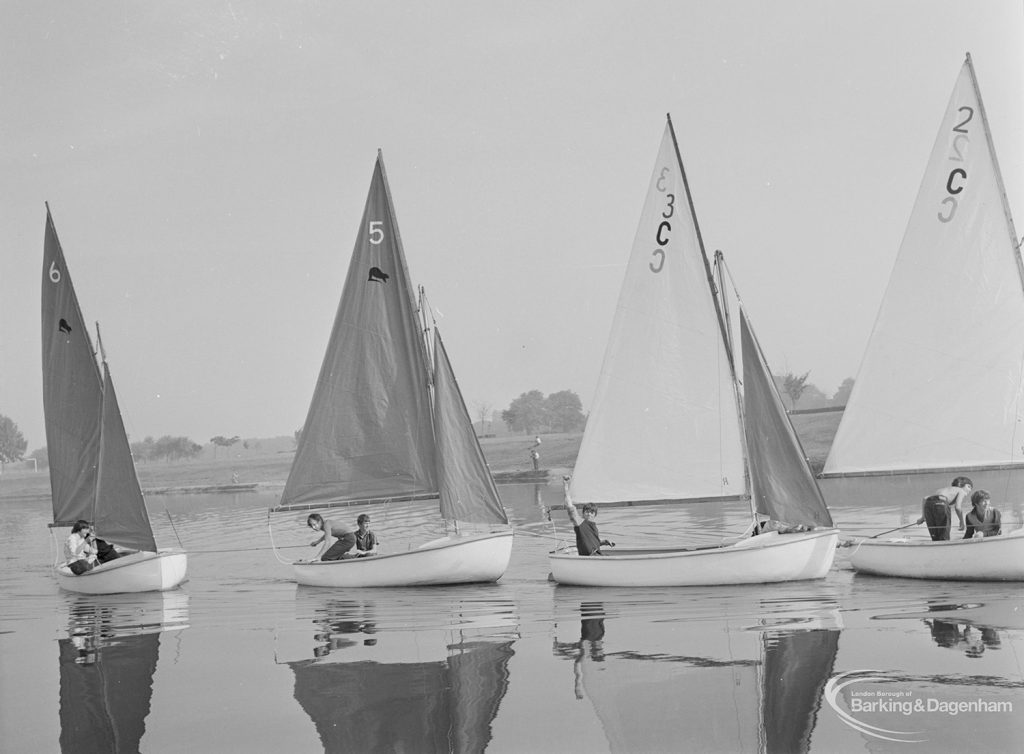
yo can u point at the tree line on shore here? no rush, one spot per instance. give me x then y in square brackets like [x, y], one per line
[531, 413]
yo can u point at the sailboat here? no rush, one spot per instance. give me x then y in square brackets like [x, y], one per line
[668, 422]
[387, 422]
[92, 474]
[940, 387]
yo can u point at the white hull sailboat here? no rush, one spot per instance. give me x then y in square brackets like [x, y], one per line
[447, 560]
[990, 559]
[770, 557]
[132, 572]
[92, 474]
[669, 422]
[387, 422]
[939, 388]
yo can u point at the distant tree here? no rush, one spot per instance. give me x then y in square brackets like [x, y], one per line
[42, 457]
[483, 410]
[564, 411]
[175, 448]
[842, 394]
[12, 443]
[526, 413]
[794, 386]
[143, 451]
[223, 442]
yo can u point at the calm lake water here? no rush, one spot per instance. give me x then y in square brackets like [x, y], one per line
[240, 658]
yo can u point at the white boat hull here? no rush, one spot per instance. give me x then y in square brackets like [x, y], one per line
[770, 557]
[137, 572]
[990, 559]
[449, 560]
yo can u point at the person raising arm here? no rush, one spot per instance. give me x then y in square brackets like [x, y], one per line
[588, 539]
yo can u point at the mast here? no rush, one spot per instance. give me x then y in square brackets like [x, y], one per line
[103, 406]
[723, 323]
[998, 174]
[729, 345]
[703, 251]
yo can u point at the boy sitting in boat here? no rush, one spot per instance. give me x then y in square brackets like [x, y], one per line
[935, 509]
[983, 520]
[346, 538]
[588, 540]
[366, 540]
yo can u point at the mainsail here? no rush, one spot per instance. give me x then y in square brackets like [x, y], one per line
[72, 390]
[368, 432]
[375, 430]
[92, 474]
[664, 424]
[940, 385]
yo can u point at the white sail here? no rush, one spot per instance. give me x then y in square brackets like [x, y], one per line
[664, 424]
[940, 383]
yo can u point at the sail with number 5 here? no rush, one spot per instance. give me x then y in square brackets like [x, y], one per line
[387, 422]
[941, 383]
[671, 424]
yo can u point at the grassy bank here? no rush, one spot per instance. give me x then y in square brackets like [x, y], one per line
[268, 466]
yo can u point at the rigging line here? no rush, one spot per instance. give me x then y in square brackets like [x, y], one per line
[174, 529]
[242, 549]
[273, 546]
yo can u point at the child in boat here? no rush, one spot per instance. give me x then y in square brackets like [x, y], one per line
[346, 538]
[935, 509]
[983, 520]
[79, 548]
[366, 540]
[588, 540]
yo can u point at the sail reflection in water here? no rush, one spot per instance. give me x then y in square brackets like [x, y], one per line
[368, 687]
[760, 695]
[107, 665]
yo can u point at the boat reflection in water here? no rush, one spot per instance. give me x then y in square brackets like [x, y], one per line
[758, 689]
[380, 682]
[107, 665]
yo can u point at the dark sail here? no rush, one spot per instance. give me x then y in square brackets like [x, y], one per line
[368, 431]
[72, 390]
[467, 490]
[781, 480]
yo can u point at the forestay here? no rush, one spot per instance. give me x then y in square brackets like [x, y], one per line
[664, 423]
[940, 383]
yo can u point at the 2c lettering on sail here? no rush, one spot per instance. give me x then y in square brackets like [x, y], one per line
[957, 178]
[663, 232]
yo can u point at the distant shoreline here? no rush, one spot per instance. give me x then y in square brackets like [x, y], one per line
[254, 469]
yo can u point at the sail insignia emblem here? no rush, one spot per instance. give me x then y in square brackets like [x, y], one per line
[377, 275]
[63, 326]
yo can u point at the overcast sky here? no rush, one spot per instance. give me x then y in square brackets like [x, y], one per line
[207, 164]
